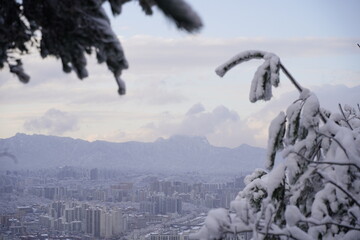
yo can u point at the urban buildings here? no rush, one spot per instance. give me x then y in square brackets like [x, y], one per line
[105, 204]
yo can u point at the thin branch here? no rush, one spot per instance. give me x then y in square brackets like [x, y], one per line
[330, 163]
[329, 180]
[298, 86]
[268, 224]
[292, 79]
[316, 150]
[337, 141]
[342, 112]
[354, 117]
[281, 234]
[332, 223]
[339, 187]
[322, 117]
[339, 164]
[289, 235]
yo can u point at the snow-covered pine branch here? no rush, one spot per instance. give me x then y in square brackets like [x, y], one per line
[314, 193]
[70, 29]
[266, 76]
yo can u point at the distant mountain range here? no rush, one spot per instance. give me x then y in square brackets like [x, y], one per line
[176, 154]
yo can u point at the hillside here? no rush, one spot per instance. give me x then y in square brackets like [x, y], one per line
[178, 153]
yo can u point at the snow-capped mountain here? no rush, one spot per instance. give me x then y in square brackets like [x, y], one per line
[178, 153]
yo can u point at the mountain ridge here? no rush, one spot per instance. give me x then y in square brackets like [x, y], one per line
[175, 154]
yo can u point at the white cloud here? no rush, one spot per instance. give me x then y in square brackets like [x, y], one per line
[166, 75]
[197, 108]
[156, 93]
[224, 127]
[54, 122]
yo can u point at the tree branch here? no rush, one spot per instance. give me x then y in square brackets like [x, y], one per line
[345, 120]
[298, 86]
[332, 223]
[292, 79]
[330, 163]
[339, 187]
[237, 59]
[337, 141]
[261, 232]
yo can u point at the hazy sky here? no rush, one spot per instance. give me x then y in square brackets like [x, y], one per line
[171, 84]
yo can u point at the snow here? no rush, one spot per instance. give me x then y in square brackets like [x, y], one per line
[260, 85]
[315, 192]
[275, 178]
[258, 172]
[266, 76]
[242, 209]
[310, 111]
[292, 215]
[217, 220]
[237, 59]
[297, 233]
[351, 235]
[276, 133]
[293, 116]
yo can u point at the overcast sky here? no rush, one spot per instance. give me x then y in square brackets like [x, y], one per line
[171, 84]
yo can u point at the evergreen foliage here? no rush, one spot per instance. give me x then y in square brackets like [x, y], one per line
[315, 192]
[68, 30]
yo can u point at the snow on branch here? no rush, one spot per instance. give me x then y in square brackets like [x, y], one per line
[70, 29]
[266, 76]
[314, 193]
[275, 140]
[181, 14]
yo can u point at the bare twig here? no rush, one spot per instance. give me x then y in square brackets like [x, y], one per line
[297, 85]
[345, 119]
[292, 79]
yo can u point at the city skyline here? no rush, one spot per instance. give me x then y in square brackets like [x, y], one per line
[84, 203]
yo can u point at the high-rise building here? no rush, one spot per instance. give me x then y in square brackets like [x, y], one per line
[57, 209]
[106, 224]
[148, 207]
[89, 221]
[76, 226]
[97, 222]
[118, 222]
[164, 205]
